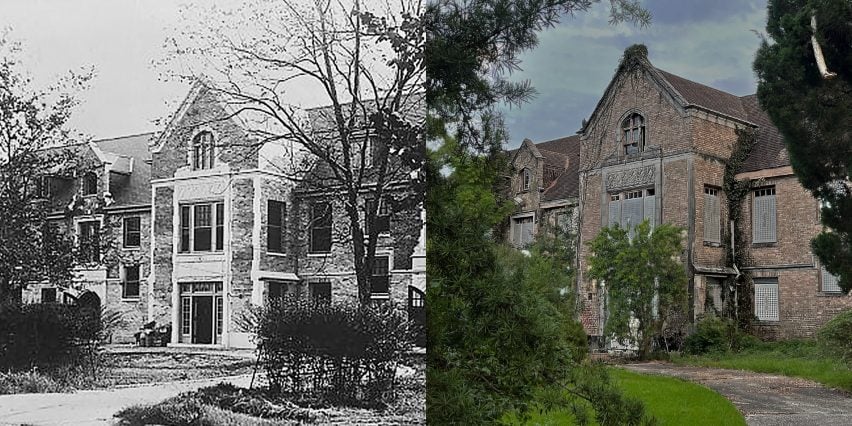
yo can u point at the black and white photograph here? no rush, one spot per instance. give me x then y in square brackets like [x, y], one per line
[212, 212]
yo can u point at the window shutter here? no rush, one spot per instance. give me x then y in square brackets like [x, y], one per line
[527, 234]
[614, 212]
[829, 282]
[766, 299]
[712, 226]
[763, 217]
[632, 214]
[516, 231]
[650, 209]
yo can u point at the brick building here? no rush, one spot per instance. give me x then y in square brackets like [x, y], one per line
[221, 227]
[656, 147]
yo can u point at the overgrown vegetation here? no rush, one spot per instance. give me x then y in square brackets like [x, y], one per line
[644, 277]
[835, 337]
[717, 335]
[332, 353]
[29, 382]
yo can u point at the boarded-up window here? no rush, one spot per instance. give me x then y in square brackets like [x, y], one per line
[522, 231]
[766, 299]
[829, 282]
[650, 202]
[763, 216]
[712, 222]
[631, 213]
[614, 209]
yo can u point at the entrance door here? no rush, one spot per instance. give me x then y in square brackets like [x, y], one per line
[202, 319]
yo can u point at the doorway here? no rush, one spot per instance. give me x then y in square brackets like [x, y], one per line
[202, 319]
[201, 307]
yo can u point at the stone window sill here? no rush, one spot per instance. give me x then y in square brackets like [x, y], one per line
[276, 254]
[712, 244]
[323, 254]
[830, 294]
[761, 245]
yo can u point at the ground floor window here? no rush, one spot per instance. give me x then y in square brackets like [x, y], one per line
[766, 299]
[829, 282]
[380, 279]
[48, 295]
[417, 314]
[130, 284]
[522, 231]
[321, 291]
[202, 311]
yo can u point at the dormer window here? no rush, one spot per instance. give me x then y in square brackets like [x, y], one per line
[526, 177]
[202, 151]
[633, 130]
[90, 183]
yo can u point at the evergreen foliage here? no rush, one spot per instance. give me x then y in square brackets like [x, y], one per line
[640, 272]
[835, 336]
[814, 114]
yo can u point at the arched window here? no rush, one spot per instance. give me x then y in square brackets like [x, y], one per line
[202, 151]
[633, 129]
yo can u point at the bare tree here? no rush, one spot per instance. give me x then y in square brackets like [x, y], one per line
[363, 65]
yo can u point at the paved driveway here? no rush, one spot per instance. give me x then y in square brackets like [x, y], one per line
[95, 407]
[765, 399]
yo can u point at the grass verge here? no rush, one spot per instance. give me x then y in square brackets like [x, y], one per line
[669, 400]
[795, 358]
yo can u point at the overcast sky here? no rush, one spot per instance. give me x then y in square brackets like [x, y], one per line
[711, 42]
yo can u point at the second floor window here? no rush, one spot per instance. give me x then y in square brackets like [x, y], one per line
[763, 215]
[382, 216]
[633, 131]
[90, 183]
[132, 232]
[202, 151]
[275, 213]
[320, 228]
[526, 180]
[88, 239]
[202, 227]
[712, 221]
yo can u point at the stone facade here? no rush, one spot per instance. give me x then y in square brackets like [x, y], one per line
[204, 258]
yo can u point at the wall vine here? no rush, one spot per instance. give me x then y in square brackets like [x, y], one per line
[737, 291]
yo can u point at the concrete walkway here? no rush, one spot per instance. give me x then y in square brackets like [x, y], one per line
[94, 407]
[765, 399]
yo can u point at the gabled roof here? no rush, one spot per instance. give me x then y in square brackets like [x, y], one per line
[133, 188]
[559, 152]
[769, 150]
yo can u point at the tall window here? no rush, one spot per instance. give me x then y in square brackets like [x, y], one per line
[633, 130]
[763, 215]
[43, 186]
[132, 232]
[522, 230]
[90, 183]
[320, 228]
[526, 177]
[382, 218]
[628, 209]
[89, 241]
[380, 279]
[275, 213]
[202, 151]
[766, 299]
[130, 284]
[712, 221]
[197, 226]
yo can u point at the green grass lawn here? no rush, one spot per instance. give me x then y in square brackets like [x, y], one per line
[671, 401]
[800, 358]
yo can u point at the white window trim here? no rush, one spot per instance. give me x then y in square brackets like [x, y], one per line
[213, 241]
[383, 296]
[190, 154]
[130, 248]
[123, 277]
[78, 221]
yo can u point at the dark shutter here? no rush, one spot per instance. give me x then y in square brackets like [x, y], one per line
[220, 226]
[184, 228]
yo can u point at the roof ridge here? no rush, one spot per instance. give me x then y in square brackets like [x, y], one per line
[133, 135]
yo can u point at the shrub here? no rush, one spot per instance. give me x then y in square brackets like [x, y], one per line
[29, 382]
[835, 337]
[183, 409]
[340, 353]
[714, 334]
[250, 402]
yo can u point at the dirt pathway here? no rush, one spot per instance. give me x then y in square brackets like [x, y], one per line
[93, 407]
[765, 399]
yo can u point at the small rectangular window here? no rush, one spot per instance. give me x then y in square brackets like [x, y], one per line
[130, 286]
[48, 295]
[132, 231]
[320, 228]
[829, 282]
[275, 213]
[379, 282]
[321, 291]
[766, 299]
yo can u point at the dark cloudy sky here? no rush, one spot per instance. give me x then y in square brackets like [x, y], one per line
[711, 42]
